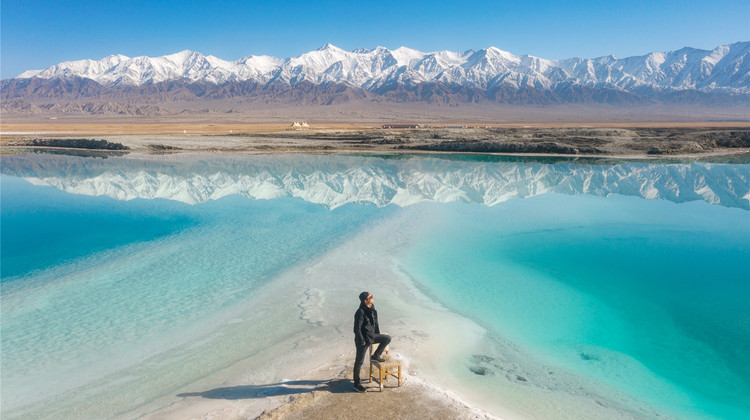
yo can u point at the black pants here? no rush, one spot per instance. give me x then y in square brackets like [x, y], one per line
[383, 341]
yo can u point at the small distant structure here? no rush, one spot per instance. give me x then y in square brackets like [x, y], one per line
[456, 126]
[401, 126]
[297, 125]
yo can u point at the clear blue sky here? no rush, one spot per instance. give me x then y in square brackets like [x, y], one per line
[37, 34]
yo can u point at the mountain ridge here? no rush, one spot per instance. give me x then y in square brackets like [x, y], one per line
[720, 75]
[369, 68]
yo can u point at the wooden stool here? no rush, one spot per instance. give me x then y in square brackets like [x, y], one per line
[380, 370]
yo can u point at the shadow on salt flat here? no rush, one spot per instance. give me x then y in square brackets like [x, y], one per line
[334, 386]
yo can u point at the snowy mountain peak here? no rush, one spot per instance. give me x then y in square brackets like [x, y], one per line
[497, 52]
[329, 47]
[115, 57]
[406, 56]
[182, 56]
[28, 74]
[726, 68]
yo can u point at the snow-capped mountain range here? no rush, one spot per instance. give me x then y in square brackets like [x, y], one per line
[334, 181]
[724, 69]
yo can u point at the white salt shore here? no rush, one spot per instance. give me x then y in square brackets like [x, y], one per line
[292, 377]
[287, 352]
[308, 374]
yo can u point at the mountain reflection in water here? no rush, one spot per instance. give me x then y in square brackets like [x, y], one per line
[334, 180]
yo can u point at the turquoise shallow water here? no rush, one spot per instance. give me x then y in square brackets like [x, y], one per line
[106, 262]
[602, 285]
[62, 227]
[91, 282]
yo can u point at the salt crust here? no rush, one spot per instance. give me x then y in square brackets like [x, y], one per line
[426, 336]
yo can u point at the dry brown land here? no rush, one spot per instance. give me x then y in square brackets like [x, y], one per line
[633, 140]
[76, 128]
[602, 130]
[376, 113]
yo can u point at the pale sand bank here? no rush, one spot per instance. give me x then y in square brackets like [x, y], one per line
[308, 376]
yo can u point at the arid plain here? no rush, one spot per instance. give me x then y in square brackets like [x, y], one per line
[645, 131]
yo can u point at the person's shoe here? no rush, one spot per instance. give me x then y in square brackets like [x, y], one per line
[359, 388]
[377, 359]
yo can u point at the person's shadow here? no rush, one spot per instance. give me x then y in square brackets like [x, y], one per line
[334, 386]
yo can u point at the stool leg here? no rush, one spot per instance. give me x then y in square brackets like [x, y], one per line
[381, 379]
[399, 376]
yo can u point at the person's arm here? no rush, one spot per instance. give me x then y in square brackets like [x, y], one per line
[358, 327]
[375, 318]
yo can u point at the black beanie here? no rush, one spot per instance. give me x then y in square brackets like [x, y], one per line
[363, 296]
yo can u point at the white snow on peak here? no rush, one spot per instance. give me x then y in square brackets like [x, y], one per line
[726, 68]
[406, 56]
[497, 53]
[180, 58]
[329, 47]
[264, 64]
[28, 74]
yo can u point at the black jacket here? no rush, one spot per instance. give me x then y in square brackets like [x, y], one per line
[365, 324]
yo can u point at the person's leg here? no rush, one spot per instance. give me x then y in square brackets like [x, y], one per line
[359, 360]
[382, 341]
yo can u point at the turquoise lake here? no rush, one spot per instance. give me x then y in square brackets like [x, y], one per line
[597, 285]
[635, 275]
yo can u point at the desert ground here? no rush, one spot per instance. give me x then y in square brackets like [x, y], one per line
[596, 139]
[579, 130]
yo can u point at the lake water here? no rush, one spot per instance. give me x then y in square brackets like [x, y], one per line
[632, 277]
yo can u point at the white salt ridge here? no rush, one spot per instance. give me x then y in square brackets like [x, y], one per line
[383, 183]
[725, 68]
